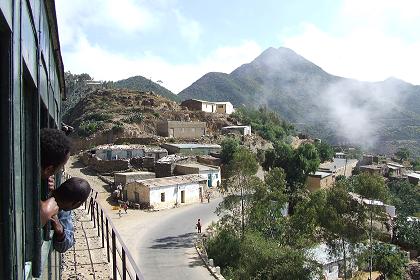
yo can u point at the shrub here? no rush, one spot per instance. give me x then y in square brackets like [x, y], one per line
[134, 118]
[87, 128]
[98, 117]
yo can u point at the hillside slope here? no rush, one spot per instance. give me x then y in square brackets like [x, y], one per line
[341, 110]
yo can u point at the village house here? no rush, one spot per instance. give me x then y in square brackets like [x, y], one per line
[320, 180]
[395, 169]
[191, 148]
[166, 165]
[209, 160]
[330, 264]
[414, 178]
[378, 169]
[181, 130]
[114, 152]
[212, 173]
[128, 177]
[239, 129]
[163, 193]
[339, 166]
[208, 106]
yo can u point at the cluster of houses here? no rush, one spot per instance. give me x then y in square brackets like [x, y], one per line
[327, 172]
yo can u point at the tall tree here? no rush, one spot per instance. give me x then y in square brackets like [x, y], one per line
[325, 151]
[241, 178]
[342, 220]
[403, 154]
[297, 164]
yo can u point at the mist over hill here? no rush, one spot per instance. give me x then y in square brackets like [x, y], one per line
[379, 116]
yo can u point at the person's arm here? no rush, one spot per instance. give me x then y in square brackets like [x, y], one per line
[63, 238]
[47, 209]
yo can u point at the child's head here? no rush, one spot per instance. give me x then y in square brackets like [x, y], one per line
[72, 193]
[55, 151]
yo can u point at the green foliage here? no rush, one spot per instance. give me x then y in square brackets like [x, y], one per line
[229, 147]
[255, 257]
[405, 197]
[325, 151]
[134, 118]
[98, 117]
[403, 154]
[87, 128]
[118, 128]
[265, 122]
[156, 114]
[297, 164]
[406, 232]
[388, 260]
[224, 248]
[370, 186]
[416, 164]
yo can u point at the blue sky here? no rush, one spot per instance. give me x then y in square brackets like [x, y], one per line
[178, 41]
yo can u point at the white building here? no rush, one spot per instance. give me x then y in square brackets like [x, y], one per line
[163, 193]
[208, 106]
[242, 129]
[329, 264]
[124, 178]
[212, 173]
[112, 152]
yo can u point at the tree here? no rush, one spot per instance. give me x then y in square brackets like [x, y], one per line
[389, 260]
[371, 187]
[229, 147]
[297, 164]
[325, 151]
[342, 220]
[405, 197]
[269, 199]
[403, 154]
[240, 178]
[406, 233]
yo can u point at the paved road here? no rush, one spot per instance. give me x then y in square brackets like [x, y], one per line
[166, 249]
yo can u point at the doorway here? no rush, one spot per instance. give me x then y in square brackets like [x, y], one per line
[182, 196]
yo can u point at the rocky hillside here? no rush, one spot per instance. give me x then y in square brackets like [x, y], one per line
[379, 116]
[105, 115]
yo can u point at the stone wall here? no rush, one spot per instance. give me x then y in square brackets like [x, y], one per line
[104, 166]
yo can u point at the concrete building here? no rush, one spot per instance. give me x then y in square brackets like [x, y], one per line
[241, 129]
[165, 166]
[32, 88]
[212, 173]
[379, 169]
[192, 149]
[414, 178]
[330, 264]
[163, 193]
[339, 166]
[395, 169]
[128, 177]
[114, 152]
[320, 180]
[208, 106]
[181, 130]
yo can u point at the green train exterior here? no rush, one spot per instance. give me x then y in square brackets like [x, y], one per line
[31, 90]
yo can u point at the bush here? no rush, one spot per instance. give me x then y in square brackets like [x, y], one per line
[134, 118]
[98, 117]
[87, 128]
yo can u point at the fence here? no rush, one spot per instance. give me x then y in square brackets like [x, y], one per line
[115, 246]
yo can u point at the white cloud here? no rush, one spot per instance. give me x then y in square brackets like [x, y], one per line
[105, 65]
[365, 45]
[190, 29]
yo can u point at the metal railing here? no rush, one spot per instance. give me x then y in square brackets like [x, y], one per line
[117, 250]
[115, 246]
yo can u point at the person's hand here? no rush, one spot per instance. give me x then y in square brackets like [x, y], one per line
[51, 183]
[47, 209]
[58, 228]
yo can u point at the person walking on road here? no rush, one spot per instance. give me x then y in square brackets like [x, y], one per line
[125, 207]
[198, 226]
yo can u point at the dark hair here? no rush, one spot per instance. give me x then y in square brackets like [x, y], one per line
[73, 190]
[55, 146]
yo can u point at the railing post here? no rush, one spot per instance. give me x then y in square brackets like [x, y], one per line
[102, 227]
[114, 255]
[97, 217]
[107, 239]
[92, 216]
[124, 267]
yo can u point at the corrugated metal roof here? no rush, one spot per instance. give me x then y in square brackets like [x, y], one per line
[414, 175]
[171, 181]
[194, 146]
